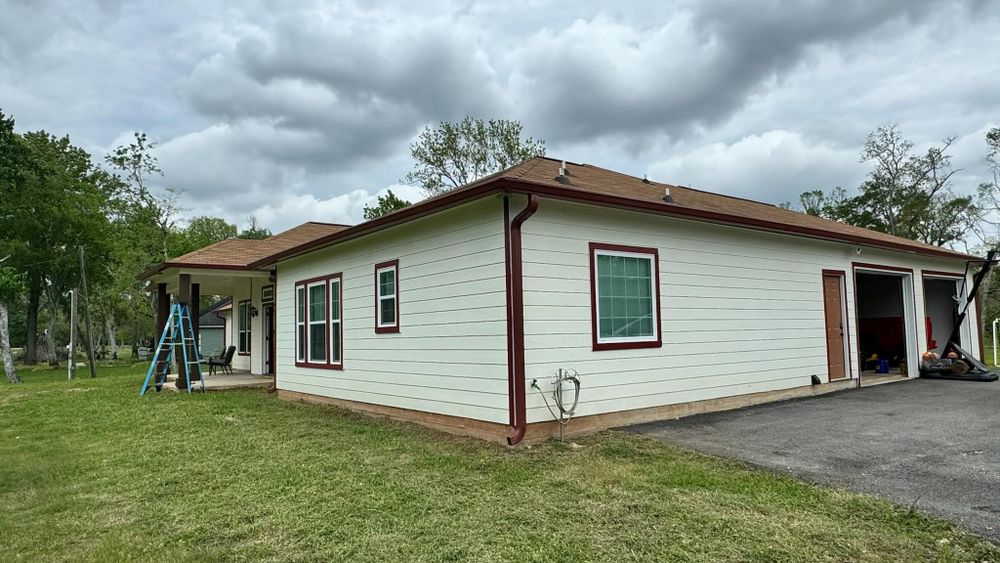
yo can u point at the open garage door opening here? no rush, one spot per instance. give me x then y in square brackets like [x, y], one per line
[942, 298]
[886, 334]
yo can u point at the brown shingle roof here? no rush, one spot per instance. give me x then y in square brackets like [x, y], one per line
[598, 186]
[601, 181]
[236, 253]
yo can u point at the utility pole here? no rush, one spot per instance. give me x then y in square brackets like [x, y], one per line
[86, 311]
[71, 363]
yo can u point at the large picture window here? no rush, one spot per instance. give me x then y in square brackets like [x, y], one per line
[387, 297]
[243, 328]
[319, 323]
[625, 297]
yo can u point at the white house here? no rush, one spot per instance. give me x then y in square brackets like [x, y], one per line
[665, 300]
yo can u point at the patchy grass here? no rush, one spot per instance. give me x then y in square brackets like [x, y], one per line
[89, 471]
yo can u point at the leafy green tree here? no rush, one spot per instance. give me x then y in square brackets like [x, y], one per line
[144, 223]
[54, 200]
[146, 212]
[201, 232]
[455, 154]
[905, 194]
[386, 204]
[254, 230]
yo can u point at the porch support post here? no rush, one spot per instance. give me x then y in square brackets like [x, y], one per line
[184, 297]
[162, 312]
[196, 310]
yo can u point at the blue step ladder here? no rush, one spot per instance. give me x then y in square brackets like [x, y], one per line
[177, 332]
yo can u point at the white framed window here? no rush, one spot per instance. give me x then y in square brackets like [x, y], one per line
[624, 296]
[387, 297]
[300, 323]
[336, 328]
[243, 328]
[316, 344]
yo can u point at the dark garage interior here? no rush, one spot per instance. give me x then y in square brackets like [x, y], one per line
[881, 328]
[941, 311]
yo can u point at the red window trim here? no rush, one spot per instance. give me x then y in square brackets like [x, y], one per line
[305, 317]
[249, 330]
[394, 264]
[599, 346]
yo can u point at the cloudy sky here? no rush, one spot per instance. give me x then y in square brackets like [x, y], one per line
[295, 111]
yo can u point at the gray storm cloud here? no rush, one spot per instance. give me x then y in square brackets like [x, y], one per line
[306, 111]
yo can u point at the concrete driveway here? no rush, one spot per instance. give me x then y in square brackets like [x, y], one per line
[933, 443]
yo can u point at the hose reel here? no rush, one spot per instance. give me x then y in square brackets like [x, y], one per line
[564, 410]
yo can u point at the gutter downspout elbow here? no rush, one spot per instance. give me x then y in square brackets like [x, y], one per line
[515, 320]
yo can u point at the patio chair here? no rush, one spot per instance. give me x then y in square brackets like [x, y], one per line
[225, 362]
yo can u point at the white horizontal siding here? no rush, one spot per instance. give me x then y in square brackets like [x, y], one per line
[450, 356]
[247, 288]
[741, 311]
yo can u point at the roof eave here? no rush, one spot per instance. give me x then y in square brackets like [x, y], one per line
[416, 211]
[516, 185]
[573, 194]
[157, 268]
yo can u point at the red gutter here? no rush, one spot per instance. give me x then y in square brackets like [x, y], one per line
[516, 382]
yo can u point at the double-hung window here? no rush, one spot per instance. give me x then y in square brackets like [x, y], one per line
[625, 297]
[319, 323]
[243, 328]
[336, 328]
[387, 297]
[316, 319]
[300, 323]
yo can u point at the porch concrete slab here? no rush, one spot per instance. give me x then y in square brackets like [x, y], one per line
[929, 443]
[222, 382]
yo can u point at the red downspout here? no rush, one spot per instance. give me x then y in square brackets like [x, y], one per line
[515, 319]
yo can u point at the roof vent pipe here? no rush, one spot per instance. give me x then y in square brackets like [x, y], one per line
[666, 195]
[563, 176]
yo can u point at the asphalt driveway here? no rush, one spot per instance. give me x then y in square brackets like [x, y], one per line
[935, 444]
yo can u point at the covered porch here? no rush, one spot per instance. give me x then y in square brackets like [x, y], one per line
[224, 382]
[248, 322]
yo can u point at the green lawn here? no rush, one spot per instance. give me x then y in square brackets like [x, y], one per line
[88, 470]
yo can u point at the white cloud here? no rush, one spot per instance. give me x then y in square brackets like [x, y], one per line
[774, 166]
[346, 209]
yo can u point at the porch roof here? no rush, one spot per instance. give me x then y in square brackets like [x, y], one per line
[235, 255]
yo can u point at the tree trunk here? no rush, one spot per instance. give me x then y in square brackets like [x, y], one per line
[109, 326]
[31, 335]
[50, 334]
[50, 342]
[8, 359]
